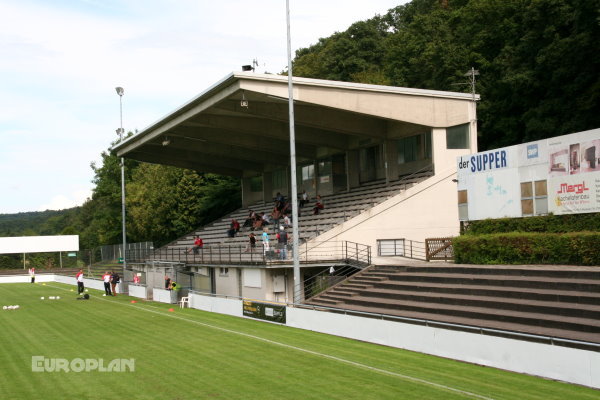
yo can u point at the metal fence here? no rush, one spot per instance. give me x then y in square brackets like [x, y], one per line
[309, 253]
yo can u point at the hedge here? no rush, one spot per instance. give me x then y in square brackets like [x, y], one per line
[547, 224]
[576, 248]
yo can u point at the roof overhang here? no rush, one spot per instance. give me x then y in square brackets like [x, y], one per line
[240, 125]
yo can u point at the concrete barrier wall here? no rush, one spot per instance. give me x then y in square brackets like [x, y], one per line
[216, 304]
[566, 364]
[164, 296]
[138, 291]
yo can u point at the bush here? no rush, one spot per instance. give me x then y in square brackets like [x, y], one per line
[576, 248]
[546, 224]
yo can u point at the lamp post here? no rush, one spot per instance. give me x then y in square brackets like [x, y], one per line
[297, 280]
[120, 131]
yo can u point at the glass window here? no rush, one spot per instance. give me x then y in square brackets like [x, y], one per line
[308, 172]
[414, 148]
[457, 137]
[541, 189]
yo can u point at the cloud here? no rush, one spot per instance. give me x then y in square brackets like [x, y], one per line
[61, 61]
[61, 202]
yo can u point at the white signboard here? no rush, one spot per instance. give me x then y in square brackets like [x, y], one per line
[568, 167]
[38, 244]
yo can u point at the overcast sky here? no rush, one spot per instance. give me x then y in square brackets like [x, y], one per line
[60, 61]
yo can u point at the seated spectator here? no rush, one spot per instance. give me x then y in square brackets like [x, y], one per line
[235, 225]
[266, 219]
[287, 222]
[250, 219]
[287, 208]
[319, 205]
[258, 223]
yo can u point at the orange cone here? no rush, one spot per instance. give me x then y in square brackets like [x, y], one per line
[171, 310]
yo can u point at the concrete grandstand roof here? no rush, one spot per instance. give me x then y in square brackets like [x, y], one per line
[214, 132]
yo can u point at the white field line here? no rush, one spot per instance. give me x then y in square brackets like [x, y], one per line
[315, 353]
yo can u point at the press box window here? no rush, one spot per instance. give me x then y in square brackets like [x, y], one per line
[457, 137]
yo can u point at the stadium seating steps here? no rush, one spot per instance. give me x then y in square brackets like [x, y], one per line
[552, 301]
[339, 207]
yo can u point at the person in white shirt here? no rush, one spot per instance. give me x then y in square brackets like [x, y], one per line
[79, 278]
[106, 280]
[32, 274]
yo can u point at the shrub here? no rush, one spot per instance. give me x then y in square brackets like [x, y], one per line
[576, 248]
[546, 224]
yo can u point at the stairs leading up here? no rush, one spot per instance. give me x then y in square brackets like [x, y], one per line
[552, 301]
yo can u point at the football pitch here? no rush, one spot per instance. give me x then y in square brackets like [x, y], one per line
[191, 354]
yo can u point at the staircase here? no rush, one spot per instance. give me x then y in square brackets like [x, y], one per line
[551, 301]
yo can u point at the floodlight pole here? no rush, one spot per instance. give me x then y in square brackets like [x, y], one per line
[295, 222]
[120, 92]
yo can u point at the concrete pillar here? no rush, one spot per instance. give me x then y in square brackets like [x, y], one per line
[353, 172]
[246, 193]
[390, 159]
[267, 187]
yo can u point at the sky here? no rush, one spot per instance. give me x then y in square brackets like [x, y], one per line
[60, 61]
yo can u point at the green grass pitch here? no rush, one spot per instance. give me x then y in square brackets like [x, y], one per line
[190, 354]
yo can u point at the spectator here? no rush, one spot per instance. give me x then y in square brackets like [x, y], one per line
[266, 219]
[287, 222]
[198, 245]
[235, 225]
[282, 240]
[251, 242]
[114, 281]
[275, 216]
[79, 278]
[167, 282]
[303, 198]
[136, 278]
[32, 274]
[248, 222]
[319, 205]
[258, 222]
[265, 241]
[106, 280]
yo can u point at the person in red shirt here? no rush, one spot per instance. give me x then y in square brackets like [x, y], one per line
[79, 278]
[198, 244]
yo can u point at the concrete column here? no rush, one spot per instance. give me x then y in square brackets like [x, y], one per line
[267, 187]
[353, 168]
[246, 193]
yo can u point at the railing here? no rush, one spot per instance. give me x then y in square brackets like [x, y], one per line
[326, 279]
[431, 249]
[238, 254]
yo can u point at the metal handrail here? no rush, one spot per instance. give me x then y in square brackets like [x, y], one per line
[239, 254]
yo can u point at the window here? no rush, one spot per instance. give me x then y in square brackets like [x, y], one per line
[463, 206]
[534, 198]
[457, 137]
[223, 271]
[414, 148]
[390, 247]
[280, 179]
[308, 172]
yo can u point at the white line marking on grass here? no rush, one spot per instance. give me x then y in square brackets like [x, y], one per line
[323, 355]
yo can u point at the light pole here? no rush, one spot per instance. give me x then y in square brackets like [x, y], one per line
[295, 223]
[120, 131]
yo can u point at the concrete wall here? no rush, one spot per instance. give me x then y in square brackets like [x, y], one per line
[138, 291]
[581, 367]
[426, 210]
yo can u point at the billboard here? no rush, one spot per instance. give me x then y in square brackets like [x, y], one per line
[38, 244]
[559, 175]
[265, 311]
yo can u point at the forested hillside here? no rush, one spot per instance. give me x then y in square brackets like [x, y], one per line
[538, 62]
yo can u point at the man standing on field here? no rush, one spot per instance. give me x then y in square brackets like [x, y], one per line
[106, 279]
[79, 278]
[32, 274]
